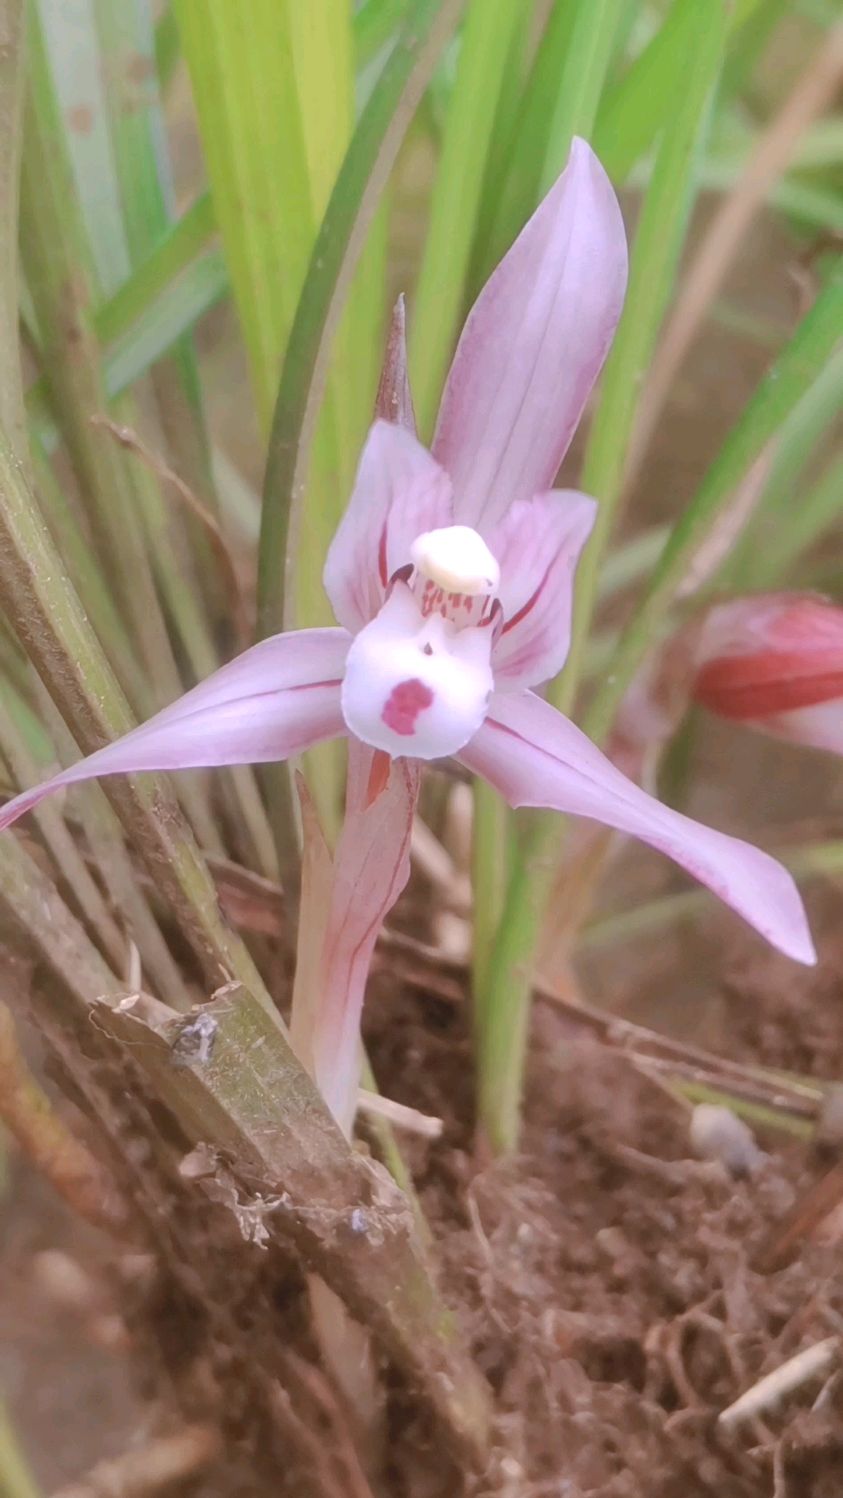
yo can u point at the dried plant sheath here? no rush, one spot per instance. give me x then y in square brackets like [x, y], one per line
[346, 1217]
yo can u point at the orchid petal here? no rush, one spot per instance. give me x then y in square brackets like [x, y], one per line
[533, 346]
[535, 757]
[399, 492]
[271, 702]
[537, 545]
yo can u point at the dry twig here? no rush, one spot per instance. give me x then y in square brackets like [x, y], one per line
[129, 438]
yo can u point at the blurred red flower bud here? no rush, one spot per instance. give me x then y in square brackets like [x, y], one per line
[774, 662]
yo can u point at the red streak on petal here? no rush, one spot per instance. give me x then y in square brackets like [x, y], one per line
[757, 686]
[378, 775]
[382, 572]
[528, 607]
[403, 705]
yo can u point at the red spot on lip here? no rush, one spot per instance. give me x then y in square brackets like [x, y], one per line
[403, 705]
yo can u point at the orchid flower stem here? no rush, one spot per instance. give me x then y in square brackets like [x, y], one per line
[490, 856]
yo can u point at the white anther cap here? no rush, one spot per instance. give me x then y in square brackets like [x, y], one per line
[457, 559]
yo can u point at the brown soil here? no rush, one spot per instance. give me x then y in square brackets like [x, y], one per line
[608, 1283]
[609, 1277]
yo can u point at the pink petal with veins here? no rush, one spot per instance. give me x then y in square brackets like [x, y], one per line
[271, 702]
[538, 544]
[535, 757]
[399, 492]
[371, 867]
[533, 345]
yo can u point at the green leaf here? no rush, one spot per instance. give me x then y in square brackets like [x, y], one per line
[12, 79]
[246, 97]
[375, 24]
[170, 313]
[655, 255]
[814, 342]
[184, 242]
[587, 61]
[518, 192]
[15, 1474]
[368, 161]
[57, 260]
[78, 82]
[780, 527]
[484, 49]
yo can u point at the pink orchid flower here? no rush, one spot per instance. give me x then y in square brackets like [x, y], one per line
[774, 662]
[451, 578]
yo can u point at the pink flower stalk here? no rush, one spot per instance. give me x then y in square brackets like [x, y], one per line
[451, 578]
[774, 662]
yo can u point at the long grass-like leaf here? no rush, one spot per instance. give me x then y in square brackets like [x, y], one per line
[12, 78]
[484, 50]
[815, 341]
[185, 564]
[587, 59]
[780, 527]
[244, 87]
[84, 890]
[655, 254]
[518, 192]
[56, 260]
[361, 180]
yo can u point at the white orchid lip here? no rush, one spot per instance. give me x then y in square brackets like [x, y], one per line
[416, 684]
[457, 559]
